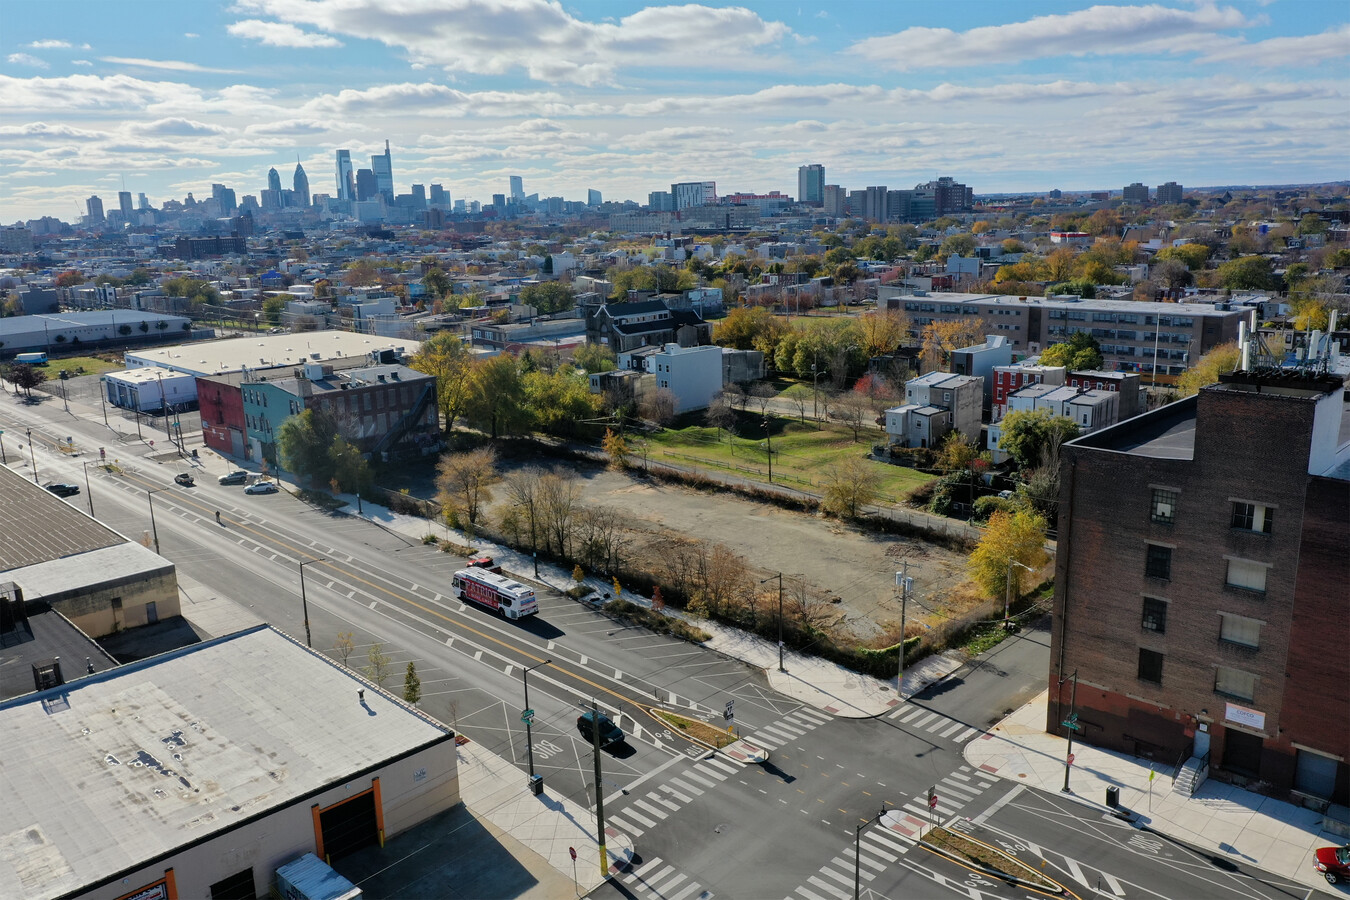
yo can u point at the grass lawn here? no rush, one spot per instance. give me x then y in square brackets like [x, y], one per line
[802, 453]
[708, 734]
[92, 365]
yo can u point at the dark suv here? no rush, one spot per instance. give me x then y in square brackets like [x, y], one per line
[63, 490]
[609, 732]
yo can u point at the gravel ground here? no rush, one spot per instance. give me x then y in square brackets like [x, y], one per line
[833, 559]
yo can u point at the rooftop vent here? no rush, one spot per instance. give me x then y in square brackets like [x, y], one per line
[47, 674]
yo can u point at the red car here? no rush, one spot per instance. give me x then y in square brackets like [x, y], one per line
[1333, 863]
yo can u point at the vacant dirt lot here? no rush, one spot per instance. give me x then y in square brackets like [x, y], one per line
[832, 559]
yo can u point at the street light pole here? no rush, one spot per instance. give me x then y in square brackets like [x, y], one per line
[150, 497]
[599, 795]
[31, 454]
[1072, 724]
[768, 442]
[304, 601]
[857, 848]
[88, 491]
[1007, 588]
[902, 580]
[529, 714]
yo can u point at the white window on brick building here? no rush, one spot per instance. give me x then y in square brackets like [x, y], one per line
[1234, 683]
[1164, 506]
[1247, 574]
[1240, 630]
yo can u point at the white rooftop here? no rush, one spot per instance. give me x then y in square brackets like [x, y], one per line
[112, 770]
[259, 350]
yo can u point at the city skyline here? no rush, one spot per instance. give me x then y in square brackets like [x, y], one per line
[1036, 96]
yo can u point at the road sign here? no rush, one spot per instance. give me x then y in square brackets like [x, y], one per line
[1070, 759]
[1071, 723]
[728, 714]
[932, 801]
[527, 716]
[573, 851]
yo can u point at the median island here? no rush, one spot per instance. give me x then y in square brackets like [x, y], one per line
[698, 731]
[990, 859]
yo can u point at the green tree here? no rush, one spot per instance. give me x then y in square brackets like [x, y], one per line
[412, 685]
[560, 401]
[957, 245]
[304, 442]
[548, 297]
[1080, 352]
[617, 449]
[23, 375]
[1246, 273]
[446, 357]
[1026, 433]
[377, 664]
[1010, 537]
[351, 471]
[495, 400]
[1193, 256]
[1312, 223]
[748, 328]
[272, 308]
[1219, 361]
[595, 358]
[437, 282]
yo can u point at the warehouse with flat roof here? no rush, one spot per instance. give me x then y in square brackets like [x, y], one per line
[200, 772]
[258, 351]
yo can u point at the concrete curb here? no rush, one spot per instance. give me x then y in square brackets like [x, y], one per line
[993, 873]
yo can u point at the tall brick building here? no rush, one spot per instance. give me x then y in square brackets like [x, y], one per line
[1203, 583]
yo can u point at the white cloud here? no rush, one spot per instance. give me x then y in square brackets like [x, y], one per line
[1098, 30]
[80, 62]
[1280, 52]
[49, 45]
[172, 65]
[538, 36]
[27, 59]
[122, 94]
[176, 126]
[191, 34]
[41, 131]
[280, 34]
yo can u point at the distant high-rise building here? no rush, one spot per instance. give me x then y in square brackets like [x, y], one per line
[1169, 193]
[346, 180]
[661, 201]
[517, 188]
[142, 202]
[124, 204]
[834, 199]
[593, 198]
[440, 197]
[949, 195]
[688, 194]
[94, 206]
[874, 204]
[1055, 194]
[383, 167]
[1135, 193]
[419, 195]
[499, 201]
[270, 199]
[273, 180]
[300, 184]
[811, 184]
[365, 184]
[225, 197]
[461, 206]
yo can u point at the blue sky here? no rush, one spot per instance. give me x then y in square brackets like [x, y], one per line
[626, 98]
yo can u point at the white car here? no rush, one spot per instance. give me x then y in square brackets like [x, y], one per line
[262, 487]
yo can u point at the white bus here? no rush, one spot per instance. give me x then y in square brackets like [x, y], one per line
[511, 598]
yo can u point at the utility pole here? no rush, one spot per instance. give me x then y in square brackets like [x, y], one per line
[779, 576]
[304, 602]
[902, 580]
[768, 443]
[31, 453]
[88, 491]
[536, 781]
[599, 795]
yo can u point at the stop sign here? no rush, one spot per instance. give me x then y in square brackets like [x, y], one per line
[932, 801]
[1070, 759]
[573, 851]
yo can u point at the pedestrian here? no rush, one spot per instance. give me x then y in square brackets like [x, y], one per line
[217, 517]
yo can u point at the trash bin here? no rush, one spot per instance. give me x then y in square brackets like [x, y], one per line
[1113, 797]
[536, 784]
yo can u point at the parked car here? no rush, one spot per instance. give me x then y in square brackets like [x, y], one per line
[262, 487]
[239, 476]
[485, 562]
[609, 732]
[1333, 863]
[184, 479]
[62, 490]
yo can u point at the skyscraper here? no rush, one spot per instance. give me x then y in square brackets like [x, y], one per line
[124, 204]
[225, 196]
[94, 206]
[834, 199]
[300, 183]
[517, 188]
[1135, 193]
[365, 185]
[874, 204]
[811, 184]
[273, 180]
[142, 202]
[1169, 193]
[593, 198]
[383, 167]
[440, 197]
[693, 193]
[346, 183]
[419, 195]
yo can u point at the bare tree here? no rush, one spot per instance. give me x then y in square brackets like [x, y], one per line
[377, 664]
[658, 406]
[735, 396]
[558, 495]
[522, 489]
[849, 486]
[800, 396]
[852, 409]
[760, 396]
[463, 481]
[601, 535]
[720, 413]
[345, 645]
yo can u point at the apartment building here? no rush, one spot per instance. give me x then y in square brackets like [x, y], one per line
[936, 404]
[1132, 334]
[1202, 584]
[1009, 379]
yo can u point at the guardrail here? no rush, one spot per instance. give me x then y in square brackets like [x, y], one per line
[1181, 760]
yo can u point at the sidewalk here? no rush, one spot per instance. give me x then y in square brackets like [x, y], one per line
[1246, 827]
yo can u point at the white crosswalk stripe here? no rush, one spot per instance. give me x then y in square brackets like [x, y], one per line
[680, 795]
[659, 880]
[677, 783]
[650, 808]
[623, 825]
[829, 888]
[808, 894]
[657, 798]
